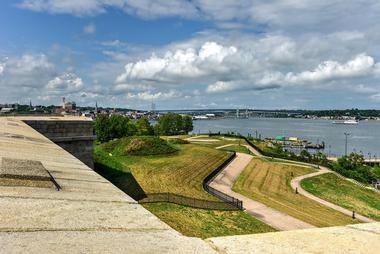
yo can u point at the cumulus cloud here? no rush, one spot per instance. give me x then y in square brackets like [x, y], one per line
[35, 76]
[359, 66]
[26, 71]
[210, 59]
[148, 96]
[221, 87]
[67, 82]
[277, 13]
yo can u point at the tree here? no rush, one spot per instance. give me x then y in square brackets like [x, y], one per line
[143, 127]
[173, 124]
[110, 127]
[188, 124]
[305, 155]
[118, 126]
[102, 128]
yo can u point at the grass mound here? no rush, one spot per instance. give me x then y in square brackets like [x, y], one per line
[145, 145]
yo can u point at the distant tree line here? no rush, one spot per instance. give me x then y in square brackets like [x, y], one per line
[117, 126]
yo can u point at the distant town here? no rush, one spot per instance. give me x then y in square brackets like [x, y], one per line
[67, 107]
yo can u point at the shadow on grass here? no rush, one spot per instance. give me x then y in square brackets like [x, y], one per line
[125, 181]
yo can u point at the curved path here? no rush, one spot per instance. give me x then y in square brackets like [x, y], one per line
[278, 220]
[296, 184]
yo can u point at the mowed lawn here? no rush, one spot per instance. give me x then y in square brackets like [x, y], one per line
[344, 193]
[269, 183]
[207, 223]
[180, 173]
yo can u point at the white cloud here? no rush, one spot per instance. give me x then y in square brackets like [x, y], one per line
[29, 70]
[2, 67]
[221, 87]
[148, 96]
[359, 66]
[375, 97]
[67, 82]
[190, 64]
[89, 29]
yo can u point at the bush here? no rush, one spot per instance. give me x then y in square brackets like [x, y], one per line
[178, 141]
[144, 145]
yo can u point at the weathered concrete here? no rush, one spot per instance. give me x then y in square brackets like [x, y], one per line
[88, 215]
[75, 135]
[355, 239]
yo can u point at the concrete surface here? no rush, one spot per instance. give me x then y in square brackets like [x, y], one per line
[88, 215]
[224, 182]
[352, 239]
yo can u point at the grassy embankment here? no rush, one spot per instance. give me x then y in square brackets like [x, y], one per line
[180, 172]
[269, 183]
[344, 193]
[235, 144]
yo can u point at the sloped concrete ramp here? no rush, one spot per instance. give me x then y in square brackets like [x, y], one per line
[88, 215]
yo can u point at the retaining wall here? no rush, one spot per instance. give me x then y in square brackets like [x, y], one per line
[76, 137]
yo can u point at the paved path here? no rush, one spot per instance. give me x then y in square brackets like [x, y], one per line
[223, 146]
[224, 182]
[296, 183]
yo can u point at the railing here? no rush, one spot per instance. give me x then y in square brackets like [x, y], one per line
[225, 197]
[187, 201]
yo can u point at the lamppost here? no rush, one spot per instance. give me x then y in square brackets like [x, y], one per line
[345, 146]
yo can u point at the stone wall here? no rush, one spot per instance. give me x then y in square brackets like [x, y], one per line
[76, 137]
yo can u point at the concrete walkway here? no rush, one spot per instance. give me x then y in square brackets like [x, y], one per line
[296, 184]
[223, 146]
[278, 220]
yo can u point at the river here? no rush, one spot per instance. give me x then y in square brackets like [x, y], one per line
[364, 137]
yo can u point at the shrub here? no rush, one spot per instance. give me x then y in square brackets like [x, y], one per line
[178, 141]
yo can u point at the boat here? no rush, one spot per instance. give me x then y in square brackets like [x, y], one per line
[352, 122]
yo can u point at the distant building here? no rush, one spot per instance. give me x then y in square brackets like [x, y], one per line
[68, 107]
[6, 110]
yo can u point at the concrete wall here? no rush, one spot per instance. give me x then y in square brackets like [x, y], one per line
[76, 137]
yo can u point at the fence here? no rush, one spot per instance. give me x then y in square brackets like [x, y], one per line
[187, 201]
[229, 203]
[226, 198]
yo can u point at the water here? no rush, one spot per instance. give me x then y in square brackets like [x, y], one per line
[364, 137]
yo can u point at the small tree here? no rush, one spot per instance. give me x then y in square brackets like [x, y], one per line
[187, 124]
[143, 127]
[102, 128]
[118, 126]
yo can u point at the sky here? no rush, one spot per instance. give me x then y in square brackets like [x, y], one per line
[186, 54]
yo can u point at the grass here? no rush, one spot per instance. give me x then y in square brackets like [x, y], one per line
[237, 148]
[181, 173]
[344, 193]
[269, 183]
[142, 145]
[207, 223]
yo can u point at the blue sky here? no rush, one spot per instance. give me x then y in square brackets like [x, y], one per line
[191, 54]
